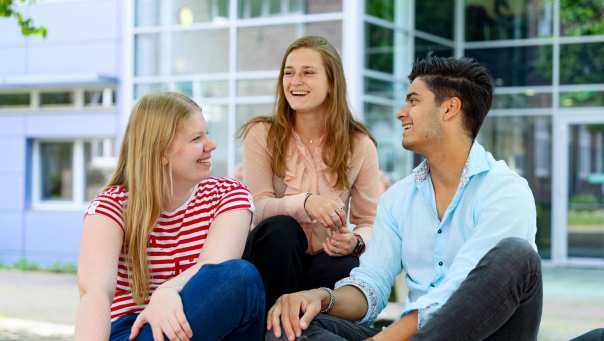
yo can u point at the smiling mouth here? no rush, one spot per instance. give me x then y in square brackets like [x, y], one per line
[204, 161]
[407, 126]
[299, 93]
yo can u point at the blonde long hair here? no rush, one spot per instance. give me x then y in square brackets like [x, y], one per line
[340, 125]
[150, 131]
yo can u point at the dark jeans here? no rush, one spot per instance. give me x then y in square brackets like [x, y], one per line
[277, 247]
[594, 335]
[221, 302]
[501, 299]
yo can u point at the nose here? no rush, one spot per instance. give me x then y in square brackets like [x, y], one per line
[210, 146]
[402, 112]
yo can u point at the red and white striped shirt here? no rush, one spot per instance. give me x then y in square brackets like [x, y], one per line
[178, 237]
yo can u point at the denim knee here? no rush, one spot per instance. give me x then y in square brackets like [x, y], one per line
[241, 274]
[519, 251]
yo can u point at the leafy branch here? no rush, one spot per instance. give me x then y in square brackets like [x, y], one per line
[26, 24]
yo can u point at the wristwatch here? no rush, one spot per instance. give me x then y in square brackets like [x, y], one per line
[360, 248]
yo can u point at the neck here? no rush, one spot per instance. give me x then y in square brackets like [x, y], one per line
[447, 160]
[181, 193]
[310, 125]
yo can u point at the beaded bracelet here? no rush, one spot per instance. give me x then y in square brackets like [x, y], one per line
[332, 300]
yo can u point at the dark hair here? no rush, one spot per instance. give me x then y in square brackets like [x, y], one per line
[464, 78]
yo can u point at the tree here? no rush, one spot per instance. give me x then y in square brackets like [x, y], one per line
[7, 9]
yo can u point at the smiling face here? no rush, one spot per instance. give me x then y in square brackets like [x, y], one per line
[420, 117]
[304, 80]
[189, 154]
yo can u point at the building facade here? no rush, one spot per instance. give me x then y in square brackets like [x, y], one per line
[547, 120]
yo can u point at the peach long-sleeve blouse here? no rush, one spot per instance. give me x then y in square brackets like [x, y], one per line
[306, 172]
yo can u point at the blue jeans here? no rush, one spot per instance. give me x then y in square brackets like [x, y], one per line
[221, 302]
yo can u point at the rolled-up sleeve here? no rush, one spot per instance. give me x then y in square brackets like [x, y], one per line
[380, 264]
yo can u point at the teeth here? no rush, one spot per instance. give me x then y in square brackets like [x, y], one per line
[297, 93]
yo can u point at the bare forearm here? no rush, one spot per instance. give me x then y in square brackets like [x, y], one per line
[351, 303]
[401, 330]
[94, 318]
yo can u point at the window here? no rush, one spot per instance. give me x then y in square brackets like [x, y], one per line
[57, 98]
[15, 100]
[99, 97]
[70, 173]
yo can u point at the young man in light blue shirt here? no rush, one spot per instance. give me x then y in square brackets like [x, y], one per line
[462, 226]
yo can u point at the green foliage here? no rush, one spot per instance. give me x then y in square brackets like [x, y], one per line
[27, 25]
[583, 200]
[23, 264]
[585, 217]
[581, 17]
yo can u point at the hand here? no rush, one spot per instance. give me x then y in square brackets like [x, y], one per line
[329, 212]
[165, 315]
[340, 243]
[286, 312]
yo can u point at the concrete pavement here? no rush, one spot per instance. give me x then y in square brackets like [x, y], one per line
[42, 306]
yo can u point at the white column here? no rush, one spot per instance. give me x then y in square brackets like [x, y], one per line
[353, 47]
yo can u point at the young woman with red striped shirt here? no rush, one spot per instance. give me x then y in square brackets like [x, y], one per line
[161, 244]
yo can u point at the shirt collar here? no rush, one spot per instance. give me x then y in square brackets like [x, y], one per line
[475, 164]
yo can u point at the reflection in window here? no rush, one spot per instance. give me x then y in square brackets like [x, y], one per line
[383, 9]
[435, 17]
[379, 52]
[267, 8]
[582, 99]
[14, 99]
[187, 12]
[256, 87]
[147, 12]
[508, 19]
[582, 63]
[217, 117]
[581, 18]
[216, 88]
[244, 113]
[529, 99]
[517, 66]
[586, 191]
[142, 89]
[203, 51]
[56, 167]
[262, 48]
[393, 159]
[423, 48]
[99, 163]
[147, 54]
[524, 143]
[185, 88]
[56, 98]
[378, 87]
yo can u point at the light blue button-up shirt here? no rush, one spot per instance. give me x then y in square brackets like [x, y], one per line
[491, 203]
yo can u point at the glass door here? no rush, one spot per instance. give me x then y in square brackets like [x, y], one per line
[585, 214]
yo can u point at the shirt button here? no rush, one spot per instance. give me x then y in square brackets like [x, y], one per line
[439, 231]
[440, 263]
[432, 285]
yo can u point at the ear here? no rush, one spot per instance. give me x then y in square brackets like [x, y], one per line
[452, 108]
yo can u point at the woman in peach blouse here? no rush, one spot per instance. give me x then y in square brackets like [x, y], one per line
[310, 166]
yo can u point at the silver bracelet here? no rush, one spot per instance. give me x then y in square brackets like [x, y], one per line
[332, 300]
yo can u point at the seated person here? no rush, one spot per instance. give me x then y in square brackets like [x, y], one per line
[310, 166]
[462, 226]
[161, 244]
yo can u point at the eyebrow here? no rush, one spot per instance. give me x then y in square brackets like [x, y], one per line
[411, 94]
[303, 66]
